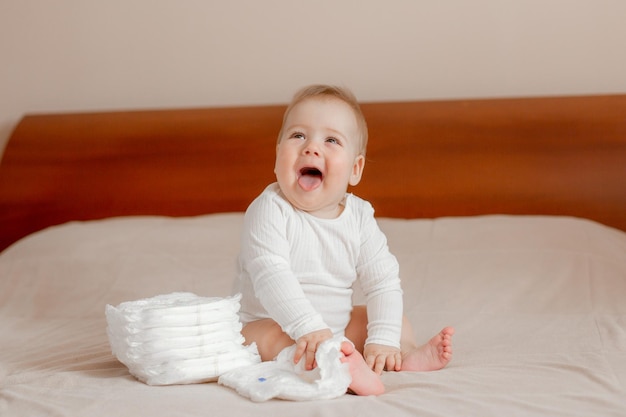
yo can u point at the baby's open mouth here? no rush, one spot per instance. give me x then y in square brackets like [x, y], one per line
[310, 178]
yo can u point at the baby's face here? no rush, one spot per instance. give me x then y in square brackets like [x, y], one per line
[318, 155]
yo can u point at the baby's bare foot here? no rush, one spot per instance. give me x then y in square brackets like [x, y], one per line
[432, 356]
[364, 380]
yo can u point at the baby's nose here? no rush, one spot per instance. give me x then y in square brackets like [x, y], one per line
[311, 149]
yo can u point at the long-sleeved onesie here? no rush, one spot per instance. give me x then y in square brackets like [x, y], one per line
[298, 269]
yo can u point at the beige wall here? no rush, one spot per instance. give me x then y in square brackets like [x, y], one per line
[68, 55]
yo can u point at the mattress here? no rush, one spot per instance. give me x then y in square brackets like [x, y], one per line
[537, 303]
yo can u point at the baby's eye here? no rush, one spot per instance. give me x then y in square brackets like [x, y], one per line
[332, 140]
[297, 135]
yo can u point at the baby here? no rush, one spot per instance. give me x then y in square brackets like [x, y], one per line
[306, 241]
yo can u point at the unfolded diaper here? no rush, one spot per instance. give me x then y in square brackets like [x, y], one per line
[179, 338]
[283, 379]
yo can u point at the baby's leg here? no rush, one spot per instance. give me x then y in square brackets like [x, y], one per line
[364, 380]
[356, 331]
[433, 355]
[268, 336]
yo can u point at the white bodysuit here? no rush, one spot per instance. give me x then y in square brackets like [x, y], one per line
[299, 269]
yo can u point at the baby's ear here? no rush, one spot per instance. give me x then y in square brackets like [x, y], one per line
[357, 170]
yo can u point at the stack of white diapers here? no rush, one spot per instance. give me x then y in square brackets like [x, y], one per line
[179, 338]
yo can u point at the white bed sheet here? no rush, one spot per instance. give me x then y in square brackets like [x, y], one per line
[538, 304]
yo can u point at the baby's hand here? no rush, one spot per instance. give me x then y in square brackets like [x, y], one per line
[381, 357]
[308, 344]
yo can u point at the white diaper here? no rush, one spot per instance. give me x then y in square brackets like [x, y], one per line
[179, 338]
[283, 379]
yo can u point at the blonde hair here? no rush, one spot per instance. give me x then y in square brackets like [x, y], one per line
[343, 94]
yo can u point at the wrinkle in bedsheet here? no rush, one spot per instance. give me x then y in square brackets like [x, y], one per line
[55, 345]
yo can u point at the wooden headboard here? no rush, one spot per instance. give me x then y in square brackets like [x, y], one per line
[554, 155]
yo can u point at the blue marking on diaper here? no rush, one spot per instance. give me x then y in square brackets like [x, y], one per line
[261, 379]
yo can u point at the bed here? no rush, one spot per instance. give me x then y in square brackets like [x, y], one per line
[507, 216]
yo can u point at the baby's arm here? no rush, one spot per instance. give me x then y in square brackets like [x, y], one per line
[265, 258]
[378, 272]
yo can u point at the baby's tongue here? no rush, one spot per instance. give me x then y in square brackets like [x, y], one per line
[309, 182]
